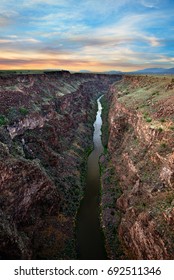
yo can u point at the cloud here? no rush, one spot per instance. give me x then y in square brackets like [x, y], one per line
[12, 40]
[4, 21]
[154, 41]
[7, 19]
[122, 58]
[165, 59]
[85, 33]
[72, 64]
[48, 2]
[128, 30]
[110, 45]
[95, 8]
[150, 3]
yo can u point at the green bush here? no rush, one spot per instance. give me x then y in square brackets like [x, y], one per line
[148, 119]
[163, 145]
[23, 111]
[145, 114]
[3, 120]
[160, 129]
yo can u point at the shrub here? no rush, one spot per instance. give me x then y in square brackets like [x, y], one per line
[23, 111]
[165, 148]
[163, 145]
[160, 129]
[148, 119]
[145, 114]
[155, 93]
[13, 114]
[3, 120]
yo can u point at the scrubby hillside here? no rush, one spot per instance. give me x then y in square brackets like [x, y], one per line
[138, 169]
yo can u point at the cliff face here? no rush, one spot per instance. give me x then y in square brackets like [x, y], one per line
[138, 169]
[45, 133]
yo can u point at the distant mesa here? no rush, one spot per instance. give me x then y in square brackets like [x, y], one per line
[112, 72]
[161, 71]
[85, 71]
[142, 71]
[155, 71]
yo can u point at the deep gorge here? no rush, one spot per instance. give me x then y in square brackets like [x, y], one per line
[45, 136]
[45, 139]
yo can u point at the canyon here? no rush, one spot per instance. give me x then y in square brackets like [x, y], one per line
[46, 136]
[46, 127]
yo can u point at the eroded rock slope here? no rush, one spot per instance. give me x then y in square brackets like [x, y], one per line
[45, 136]
[138, 169]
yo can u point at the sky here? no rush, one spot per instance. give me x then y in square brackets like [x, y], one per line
[92, 35]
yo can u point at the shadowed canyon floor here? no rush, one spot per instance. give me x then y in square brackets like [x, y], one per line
[46, 135]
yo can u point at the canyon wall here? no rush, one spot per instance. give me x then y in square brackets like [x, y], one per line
[138, 168]
[46, 126]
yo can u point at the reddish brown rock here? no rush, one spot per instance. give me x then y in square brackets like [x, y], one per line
[140, 153]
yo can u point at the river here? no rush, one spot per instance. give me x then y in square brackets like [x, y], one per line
[90, 239]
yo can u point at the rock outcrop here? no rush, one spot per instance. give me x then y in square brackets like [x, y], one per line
[45, 134]
[138, 169]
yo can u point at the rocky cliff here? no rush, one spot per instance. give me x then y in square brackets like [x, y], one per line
[138, 169]
[45, 135]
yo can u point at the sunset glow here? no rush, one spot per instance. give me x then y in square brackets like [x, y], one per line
[120, 35]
